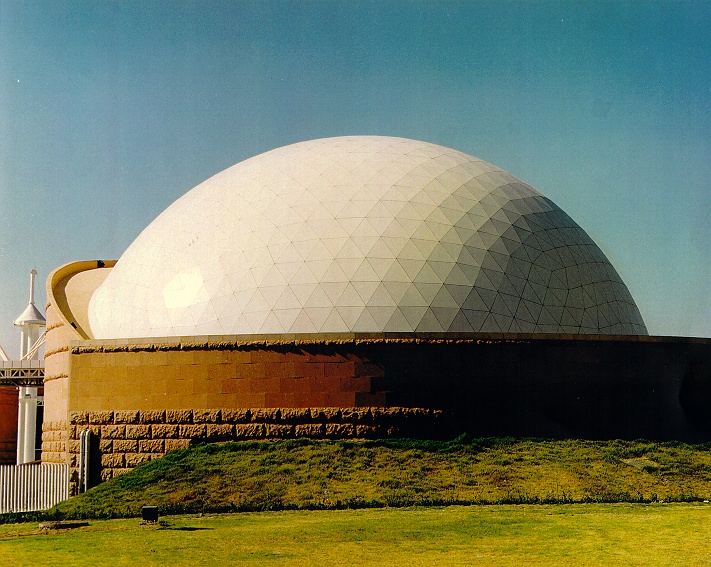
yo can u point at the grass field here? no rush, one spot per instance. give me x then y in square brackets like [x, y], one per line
[568, 534]
[304, 474]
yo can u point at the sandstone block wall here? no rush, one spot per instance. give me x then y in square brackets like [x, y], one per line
[123, 439]
[123, 376]
[195, 374]
[69, 289]
[54, 441]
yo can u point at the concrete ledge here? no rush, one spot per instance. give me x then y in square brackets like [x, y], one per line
[229, 342]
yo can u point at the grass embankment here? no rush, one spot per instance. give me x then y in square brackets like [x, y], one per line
[306, 474]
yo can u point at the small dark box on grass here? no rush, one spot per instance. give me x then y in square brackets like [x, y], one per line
[150, 513]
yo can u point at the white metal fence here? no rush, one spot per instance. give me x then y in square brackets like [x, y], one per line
[31, 487]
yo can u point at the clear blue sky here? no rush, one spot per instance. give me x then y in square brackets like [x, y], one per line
[111, 110]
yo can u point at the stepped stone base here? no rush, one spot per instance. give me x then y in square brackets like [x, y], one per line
[122, 440]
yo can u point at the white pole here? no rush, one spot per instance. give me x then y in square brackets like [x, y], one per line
[21, 407]
[30, 424]
[33, 273]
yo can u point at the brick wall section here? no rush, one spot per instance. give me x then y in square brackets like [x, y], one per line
[125, 439]
[147, 376]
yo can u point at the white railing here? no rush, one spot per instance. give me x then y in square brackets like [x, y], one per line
[32, 487]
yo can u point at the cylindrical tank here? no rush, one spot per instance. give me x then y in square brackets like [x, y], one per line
[8, 425]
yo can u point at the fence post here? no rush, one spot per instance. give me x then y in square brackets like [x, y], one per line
[84, 456]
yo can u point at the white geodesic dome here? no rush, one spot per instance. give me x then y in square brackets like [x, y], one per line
[362, 234]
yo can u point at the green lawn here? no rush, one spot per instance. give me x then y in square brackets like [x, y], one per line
[567, 534]
[557, 502]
